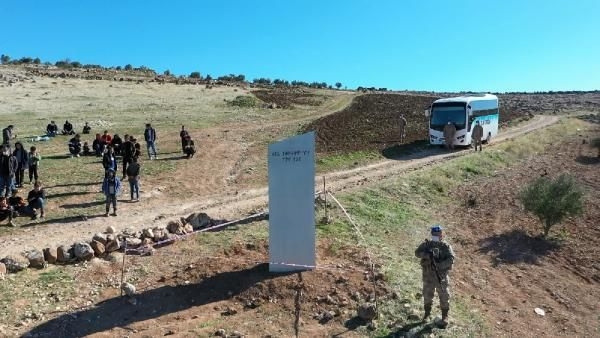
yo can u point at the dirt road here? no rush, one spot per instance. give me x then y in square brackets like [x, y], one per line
[234, 205]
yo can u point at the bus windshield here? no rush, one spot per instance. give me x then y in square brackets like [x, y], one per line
[455, 113]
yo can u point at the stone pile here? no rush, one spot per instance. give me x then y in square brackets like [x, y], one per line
[104, 243]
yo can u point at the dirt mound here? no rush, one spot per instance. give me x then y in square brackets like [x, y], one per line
[287, 98]
[371, 123]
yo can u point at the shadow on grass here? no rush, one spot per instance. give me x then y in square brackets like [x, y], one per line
[587, 160]
[82, 205]
[57, 157]
[154, 303]
[411, 151]
[172, 158]
[592, 118]
[81, 184]
[517, 246]
[409, 330]
[69, 193]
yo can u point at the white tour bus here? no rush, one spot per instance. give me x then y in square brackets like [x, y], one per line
[463, 111]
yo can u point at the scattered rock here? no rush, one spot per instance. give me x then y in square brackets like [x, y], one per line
[110, 230]
[15, 264]
[100, 238]
[539, 311]
[2, 270]
[148, 233]
[98, 247]
[367, 311]
[36, 259]
[324, 317]
[83, 251]
[188, 228]
[160, 234]
[133, 242]
[221, 333]
[129, 289]
[229, 311]
[199, 220]
[112, 245]
[63, 254]
[176, 227]
[50, 255]
[147, 241]
[169, 333]
[235, 334]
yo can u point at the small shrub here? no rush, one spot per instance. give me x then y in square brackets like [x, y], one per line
[338, 85]
[195, 75]
[596, 144]
[167, 73]
[552, 200]
[128, 67]
[4, 59]
[245, 101]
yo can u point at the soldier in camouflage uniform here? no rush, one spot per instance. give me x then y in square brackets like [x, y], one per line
[437, 258]
[449, 134]
[477, 135]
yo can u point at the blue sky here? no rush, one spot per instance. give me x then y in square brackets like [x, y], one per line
[404, 44]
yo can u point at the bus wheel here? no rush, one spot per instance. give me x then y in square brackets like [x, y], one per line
[488, 138]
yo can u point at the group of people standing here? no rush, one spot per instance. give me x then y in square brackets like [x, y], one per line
[13, 164]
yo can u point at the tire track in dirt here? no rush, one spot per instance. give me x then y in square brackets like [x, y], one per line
[234, 204]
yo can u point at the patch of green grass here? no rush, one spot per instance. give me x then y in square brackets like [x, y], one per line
[54, 276]
[245, 101]
[335, 162]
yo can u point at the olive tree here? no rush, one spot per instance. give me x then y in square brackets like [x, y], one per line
[551, 200]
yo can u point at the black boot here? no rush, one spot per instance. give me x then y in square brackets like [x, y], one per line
[427, 312]
[444, 322]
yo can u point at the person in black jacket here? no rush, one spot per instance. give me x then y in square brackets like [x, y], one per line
[189, 148]
[87, 128]
[7, 134]
[150, 138]
[52, 129]
[116, 143]
[183, 134]
[68, 128]
[75, 146]
[128, 151]
[133, 176]
[8, 168]
[98, 145]
[37, 200]
[22, 162]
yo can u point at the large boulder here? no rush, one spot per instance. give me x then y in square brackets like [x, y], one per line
[50, 255]
[63, 254]
[367, 311]
[160, 234]
[98, 247]
[99, 237]
[83, 251]
[176, 227]
[128, 289]
[148, 233]
[133, 242]
[112, 244]
[36, 259]
[199, 220]
[15, 264]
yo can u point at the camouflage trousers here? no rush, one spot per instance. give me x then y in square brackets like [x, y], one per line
[431, 284]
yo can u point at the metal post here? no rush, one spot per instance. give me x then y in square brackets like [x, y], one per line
[123, 268]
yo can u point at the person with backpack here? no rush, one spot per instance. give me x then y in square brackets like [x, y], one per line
[34, 161]
[150, 137]
[111, 187]
[133, 176]
[22, 163]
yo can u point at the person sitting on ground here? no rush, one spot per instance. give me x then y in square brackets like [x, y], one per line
[75, 146]
[189, 148]
[111, 187]
[98, 145]
[51, 129]
[37, 200]
[17, 203]
[87, 128]
[34, 162]
[106, 138]
[86, 149]
[6, 212]
[109, 160]
[133, 176]
[116, 143]
[22, 157]
[68, 128]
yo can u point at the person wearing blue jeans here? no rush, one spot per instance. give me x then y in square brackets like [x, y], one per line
[37, 200]
[111, 187]
[150, 137]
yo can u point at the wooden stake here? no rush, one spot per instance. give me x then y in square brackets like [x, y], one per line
[123, 268]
